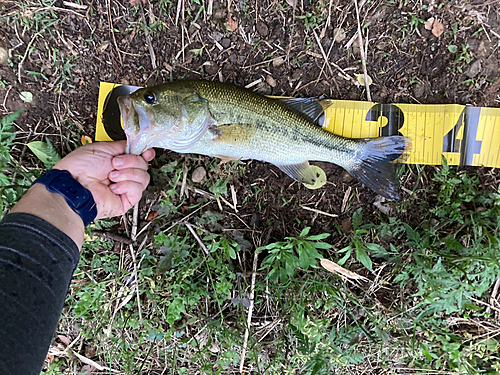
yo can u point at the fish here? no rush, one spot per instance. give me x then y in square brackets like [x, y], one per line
[232, 123]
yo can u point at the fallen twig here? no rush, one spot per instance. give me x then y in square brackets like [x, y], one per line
[24, 57]
[250, 310]
[148, 37]
[318, 211]
[362, 52]
[132, 252]
[111, 30]
[202, 245]
[323, 52]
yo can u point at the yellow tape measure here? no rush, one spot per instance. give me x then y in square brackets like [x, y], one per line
[464, 135]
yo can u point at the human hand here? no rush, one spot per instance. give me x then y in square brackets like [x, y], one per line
[116, 180]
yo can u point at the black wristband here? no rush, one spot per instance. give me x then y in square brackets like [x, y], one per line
[79, 199]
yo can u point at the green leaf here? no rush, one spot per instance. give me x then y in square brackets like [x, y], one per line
[305, 231]
[345, 257]
[4, 181]
[45, 152]
[232, 253]
[452, 48]
[219, 188]
[321, 245]
[363, 257]
[175, 310]
[318, 237]
[356, 218]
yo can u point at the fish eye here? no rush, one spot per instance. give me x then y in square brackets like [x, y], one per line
[150, 97]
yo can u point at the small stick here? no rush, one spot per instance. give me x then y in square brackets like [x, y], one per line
[327, 23]
[90, 362]
[346, 198]
[202, 245]
[135, 218]
[178, 12]
[362, 52]
[252, 84]
[493, 296]
[148, 37]
[131, 247]
[184, 184]
[322, 51]
[132, 252]
[111, 30]
[74, 5]
[24, 57]
[210, 7]
[250, 310]
[318, 211]
[235, 199]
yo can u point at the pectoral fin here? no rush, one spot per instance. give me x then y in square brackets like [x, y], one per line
[301, 172]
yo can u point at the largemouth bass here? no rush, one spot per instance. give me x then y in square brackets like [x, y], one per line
[225, 121]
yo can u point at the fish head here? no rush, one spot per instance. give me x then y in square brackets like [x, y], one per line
[165, 118]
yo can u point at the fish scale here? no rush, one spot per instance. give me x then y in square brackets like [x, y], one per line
[226, 121]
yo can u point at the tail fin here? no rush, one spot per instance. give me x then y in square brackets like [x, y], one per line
[376, 167]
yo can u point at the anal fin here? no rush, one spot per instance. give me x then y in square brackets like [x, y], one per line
[301, 172]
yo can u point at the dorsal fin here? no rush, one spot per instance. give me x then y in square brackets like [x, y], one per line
[312, 108]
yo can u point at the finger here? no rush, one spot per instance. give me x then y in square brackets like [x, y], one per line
[130, 174]
[129, 161]
[149, 154]
[132, 190]
[113, 148]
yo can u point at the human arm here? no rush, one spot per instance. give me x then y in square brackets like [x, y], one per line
[39, 249]
[115, 180]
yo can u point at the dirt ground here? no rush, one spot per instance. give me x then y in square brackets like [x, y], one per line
[60, 52]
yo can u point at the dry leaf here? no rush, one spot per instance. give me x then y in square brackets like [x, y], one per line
[135, 3]
[152, 215]
[429, 23]
[292, 3]
[341, 271]
[86, 139]
[320, 178]
[26, 96]
[63, 339]
[361, 79]
[231, 22]
[339, 34]
[102, 47]
[437, 28]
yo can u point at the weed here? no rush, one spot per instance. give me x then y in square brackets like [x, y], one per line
[285, 257]
[14, 180]
[311, 20]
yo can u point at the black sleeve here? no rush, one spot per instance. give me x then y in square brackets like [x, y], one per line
[36, 265]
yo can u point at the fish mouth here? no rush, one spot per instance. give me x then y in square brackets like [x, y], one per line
[138, 124]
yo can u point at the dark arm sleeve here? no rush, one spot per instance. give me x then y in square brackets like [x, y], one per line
[36, 265]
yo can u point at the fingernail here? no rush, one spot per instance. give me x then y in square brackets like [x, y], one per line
[114, 174]
[118, 161]
[112, 187]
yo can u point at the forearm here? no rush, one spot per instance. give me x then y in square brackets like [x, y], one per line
[53, 208]
[36, 265]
